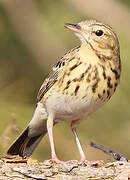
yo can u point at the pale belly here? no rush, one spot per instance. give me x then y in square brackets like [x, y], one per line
[66, 107]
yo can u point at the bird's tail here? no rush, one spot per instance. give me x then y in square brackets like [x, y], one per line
[24, 144]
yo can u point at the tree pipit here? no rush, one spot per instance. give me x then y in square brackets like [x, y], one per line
[83, 80]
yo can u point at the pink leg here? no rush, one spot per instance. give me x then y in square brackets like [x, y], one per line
[82, 155]
[50, 133]
[73, 126]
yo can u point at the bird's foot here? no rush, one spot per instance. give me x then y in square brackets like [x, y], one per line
[97, 163]
[56, 160]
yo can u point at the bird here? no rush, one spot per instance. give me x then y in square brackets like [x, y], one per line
[82, 81]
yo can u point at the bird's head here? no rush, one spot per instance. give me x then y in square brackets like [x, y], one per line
[97, 35]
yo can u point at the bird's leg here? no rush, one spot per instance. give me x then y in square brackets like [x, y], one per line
[73, 127]
[82, 155]
[50, 133]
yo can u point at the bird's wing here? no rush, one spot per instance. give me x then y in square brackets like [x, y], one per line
[53, 75]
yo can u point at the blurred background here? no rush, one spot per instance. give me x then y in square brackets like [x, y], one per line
[32, 39]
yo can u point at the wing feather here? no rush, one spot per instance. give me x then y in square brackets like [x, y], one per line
[53, 75]
[47, 84]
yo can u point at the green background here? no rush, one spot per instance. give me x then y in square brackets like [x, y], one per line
[32, 39]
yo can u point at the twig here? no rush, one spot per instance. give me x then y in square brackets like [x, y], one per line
[114, 154]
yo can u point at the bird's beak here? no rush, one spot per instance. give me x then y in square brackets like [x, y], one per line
[73, 27]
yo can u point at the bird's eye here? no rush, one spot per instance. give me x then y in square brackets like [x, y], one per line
[99, 33]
